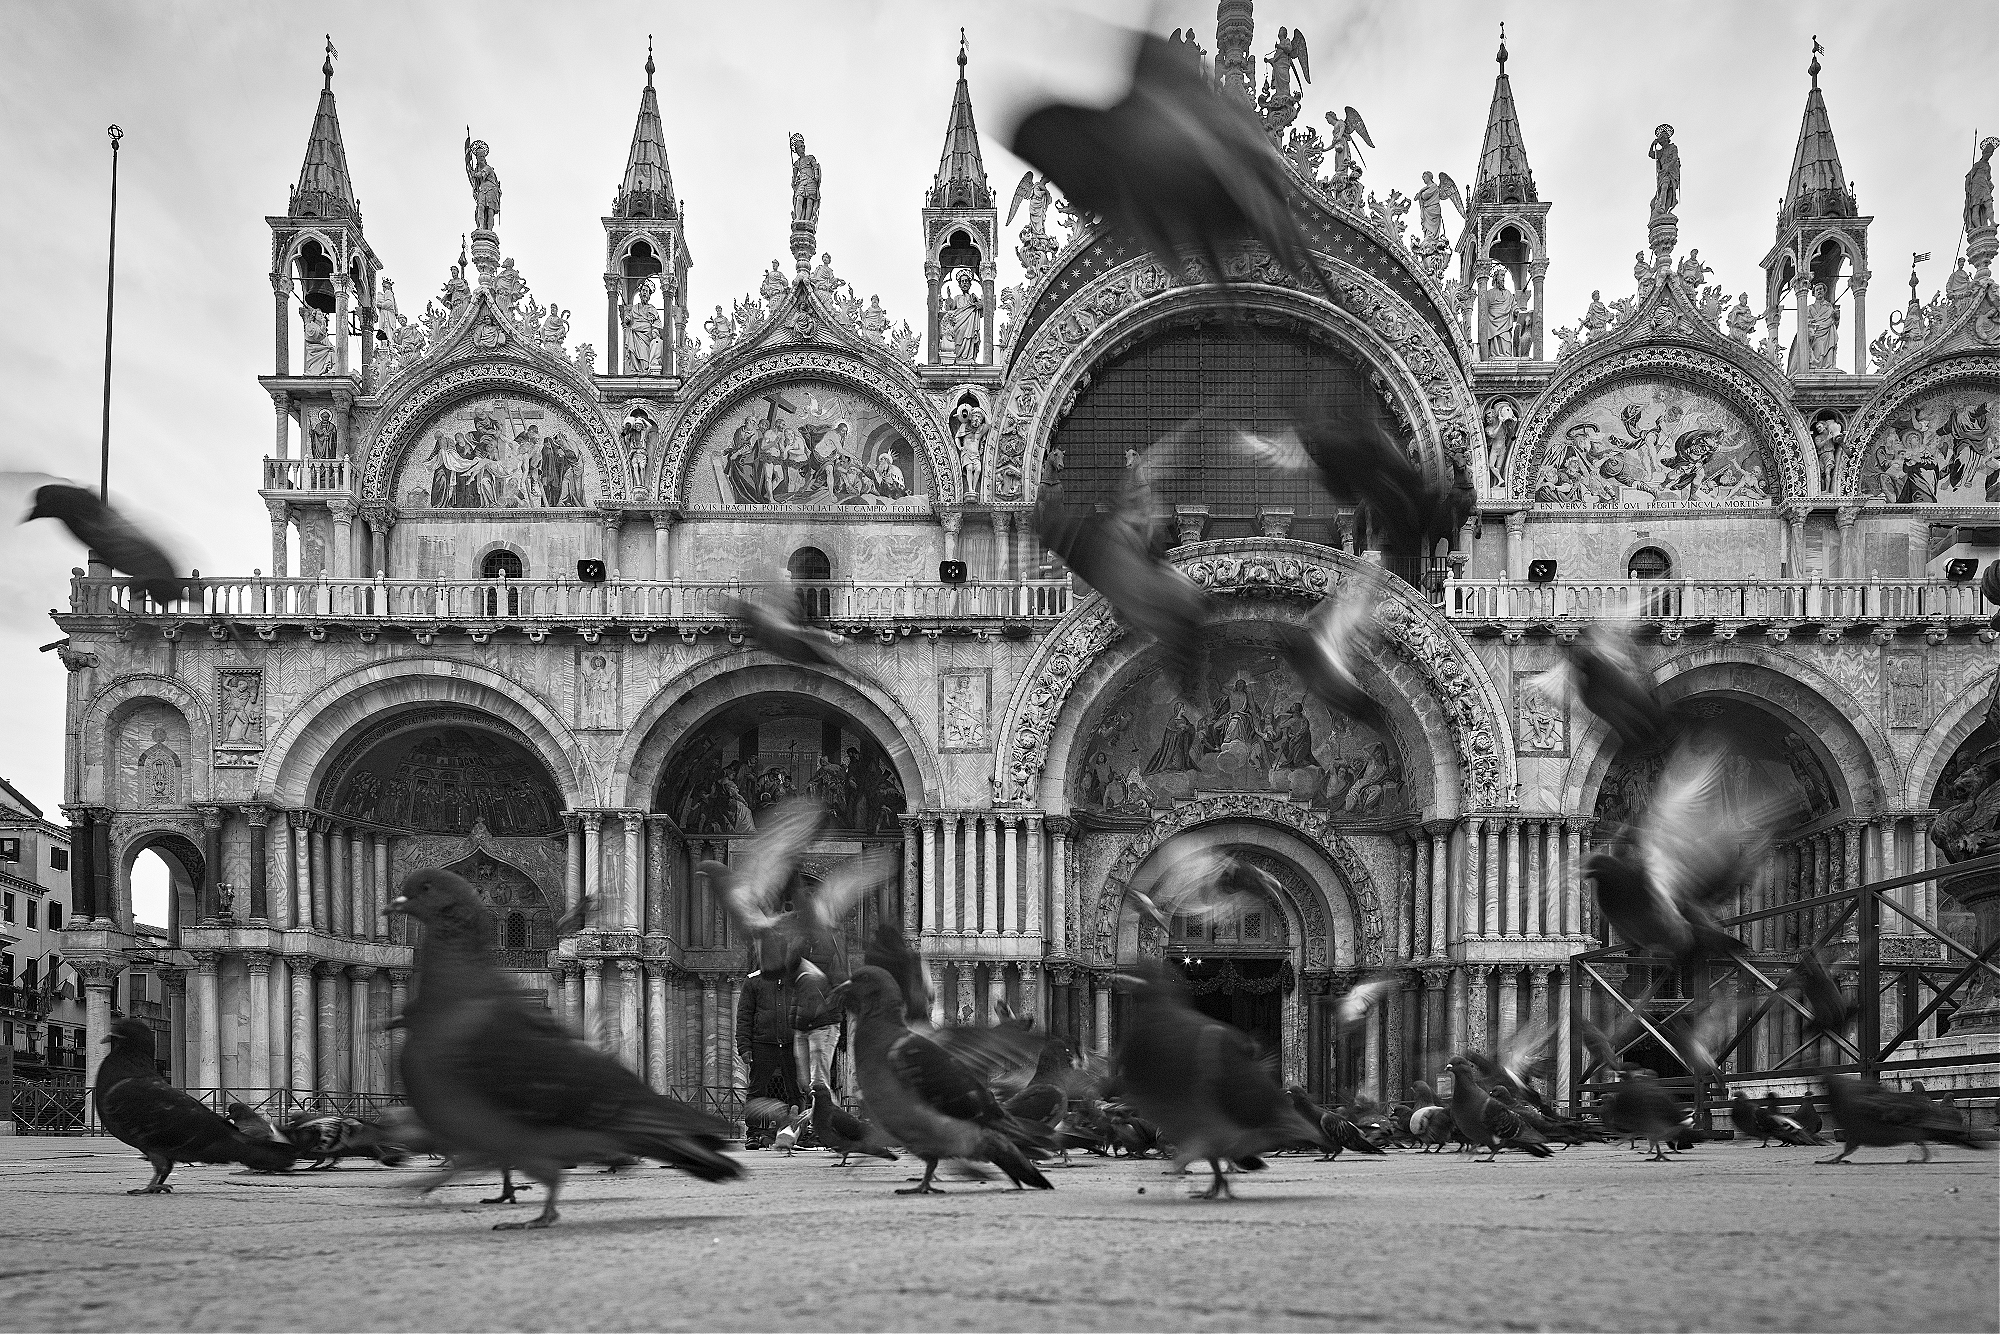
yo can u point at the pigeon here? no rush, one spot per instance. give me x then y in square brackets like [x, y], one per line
[164, 1123]
[115, 539]
[1173, 165]
[500, 1083]
[1877, 1117]
[1359, 459]
[1201, 1082]
[754, 884]
[328, 1137]
[1538, 1117]
[779, 633]
[887, 950]
[1327, 651]
[1830, 1010]
[925, 1100]
[252, 1123]
[1769, 1123]
[1612, 685]
[1045, 1101]
[787, 1137]
[1431, 1126]
[1343, 1131]
[1313, 1114]
[1643, 1108]
[841, 1130]
[1808, 1116]
[1485, 1122]
[1743, 1118]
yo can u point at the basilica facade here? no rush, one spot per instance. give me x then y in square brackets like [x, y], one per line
[495, 634]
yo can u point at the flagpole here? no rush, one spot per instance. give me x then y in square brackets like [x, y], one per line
[110, 293]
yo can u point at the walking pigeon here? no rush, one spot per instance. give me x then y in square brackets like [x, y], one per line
[922, 1098]
[1643, 1108]
[165, 1124]
[1769, 1123]
[1485, 1122]
[841, 1130]
[501, 1084]
[1874, 1116]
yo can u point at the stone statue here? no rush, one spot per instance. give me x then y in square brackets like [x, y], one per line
[1979, 188]
[1506, 314]
[805, 182]
[555, 328]
[970, 431]
[959, 318]
[1036, 249]
[1958, 286]
[320, 355]
[721, 330]
[822, 278]
[485, 183]
[323, 437]
[641, 319]
[1742, 320]
[242, 707]
[1691, 271]
[508, 286]
[1347, 127]
[1642, 269]
[1819, 334]
[1430, 204]
[456, 291]
[873, 323]
[1827, 435]
[1666, 157]
[774, 286]
[387, 315]
[1712, 301]
[1279, 104]
[1596, 318]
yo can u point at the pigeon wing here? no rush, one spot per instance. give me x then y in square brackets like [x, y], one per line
[940, 1082]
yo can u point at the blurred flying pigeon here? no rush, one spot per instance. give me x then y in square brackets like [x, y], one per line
[1871, 1115]
[165, 1124]
[115, 539]
[1174, 165]
[1327, 651]
[754, 885]
[1643, 1108]
[1831, 1010]
[252, 1123]
[891, 953]
[1343, 1132]
[841, 1130]
[501, 1084]
[1612, 685]
[1202, 1083]
[1356, 456]
[779, 633]
[1486, 1122]
[922, 1098]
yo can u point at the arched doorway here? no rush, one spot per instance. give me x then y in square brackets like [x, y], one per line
[181, 857]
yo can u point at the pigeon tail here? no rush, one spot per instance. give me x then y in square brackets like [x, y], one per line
[1002, 1152]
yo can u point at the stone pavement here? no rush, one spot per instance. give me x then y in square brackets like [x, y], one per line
[1729, 1237]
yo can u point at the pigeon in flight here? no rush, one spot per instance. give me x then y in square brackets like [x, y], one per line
[779, 633]
[1201, 1081]
[1173, 165]
[754, 885]
[164, 1123]
[1603, 668]
[925, 1100]
[116, 539]
[887, 950]
[500, 1083]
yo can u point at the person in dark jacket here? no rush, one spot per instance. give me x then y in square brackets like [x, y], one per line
[764, 1038]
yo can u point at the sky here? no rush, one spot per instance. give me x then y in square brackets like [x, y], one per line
[216, 100]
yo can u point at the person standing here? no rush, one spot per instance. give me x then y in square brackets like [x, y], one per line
[764, 1039]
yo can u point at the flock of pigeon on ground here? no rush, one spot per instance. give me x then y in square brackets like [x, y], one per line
[495, 1083]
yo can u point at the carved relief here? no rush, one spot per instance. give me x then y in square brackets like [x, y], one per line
[1542, 720]
[239, 697]
[1940, 448]
[162, 774]
[599, 688]
[807, 444]
[965, 700]
[1652, 442]
[1909, 691]
[496, 452]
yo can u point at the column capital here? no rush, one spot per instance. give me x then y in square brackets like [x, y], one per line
[211, 814]
[175, 979]
[1062, 826]
[593, 967]
[361, 972]
[205, 960]
[629, 967]
[664, 519]
[343, 510]
[257, 961]
[102, 974]
[327, 968]
[398, 977]
[258, 815]
[1008, 820]
[300, 818]
[591, 820]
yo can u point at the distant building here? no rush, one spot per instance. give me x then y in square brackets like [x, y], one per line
[494, 633]
[41, 1006]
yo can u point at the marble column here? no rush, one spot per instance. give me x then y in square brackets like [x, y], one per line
[1537, 896]
[1434, 1049]
[593, 870]
[207, 1020]
[932, 913]
[572, 860]
[1371, 1054]
[301, 877]
[1102, 1015]
[989, 880]
[1478, 1008]
[1510, 919]
[1011, 907]
[1400, 1024]
[257, 978]
[1507, 1001]
[663, 545]
[658, 1055]
[567, 1004]
[322, 911]
[1571, 888]
[996, 990]
[1921, 859]
[1458, 1037]
[1559, 1004]
[738, 1076]
[175, 982]
[711, 1035]
[934, 970]
[910, 889]
[1440, 860]
[326, 1012]
[399, 1001]
[954, 914]
[1031, 993]
[632, 897]
[1033, 895]
[304, 1021]
[1489, 854]
[628, 1015]
[593, 1004]
[1475, 838]
[360, 1031]
[1059, 852]
[384, 891]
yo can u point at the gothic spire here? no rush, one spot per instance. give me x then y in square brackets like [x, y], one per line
[961, 175]
[325, 190]
[1817, 186]
[648, 188]
[1504, 175]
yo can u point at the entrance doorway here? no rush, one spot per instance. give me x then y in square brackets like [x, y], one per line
[1246, 992]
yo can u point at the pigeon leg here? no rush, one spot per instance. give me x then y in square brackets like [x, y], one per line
[925, 1187]
[551, 1178]
[1923, 1148]
[1838, 1158]
[506, 1195]
[158, 1185]
[1659, 1155]
[1218, 1189]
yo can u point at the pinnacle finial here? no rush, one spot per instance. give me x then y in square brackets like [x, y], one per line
[326, 67]
[649, 60]
[1501, 55]
[1817, 52]
[961, 49]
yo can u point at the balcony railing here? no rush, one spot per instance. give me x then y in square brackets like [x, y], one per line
[328, 475]
[558, 601]
[1752, 601]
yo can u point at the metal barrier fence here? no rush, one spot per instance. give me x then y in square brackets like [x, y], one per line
[1846, 923]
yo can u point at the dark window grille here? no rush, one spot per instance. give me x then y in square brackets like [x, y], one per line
[1650, 563]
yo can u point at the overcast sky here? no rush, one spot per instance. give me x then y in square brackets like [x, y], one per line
[216, 100]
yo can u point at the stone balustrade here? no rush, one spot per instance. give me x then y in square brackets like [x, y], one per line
[1720, 602]
[646, 604]
[311, 476]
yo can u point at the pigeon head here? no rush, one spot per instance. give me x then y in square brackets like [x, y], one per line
[872, 992]
[445, 904]
[130, 1034]
[237, 1109]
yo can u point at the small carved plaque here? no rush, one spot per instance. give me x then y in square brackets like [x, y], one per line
[1909, 702]
[599, 678]
[239, 711]
[965, 699]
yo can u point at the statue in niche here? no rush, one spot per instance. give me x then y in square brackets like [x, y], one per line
[485, 183]
[959, 318]
[1666, 156]
[638, 434]
[1827, 435]
[1507, 315]
[971, 431]
[1742, 321]
[1819, 333]
[160, 772]
[1501, 421]
[641, 319]
[805, 182]
[242, 708]
[323, 437]
[1979, 188]
[321, 358]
